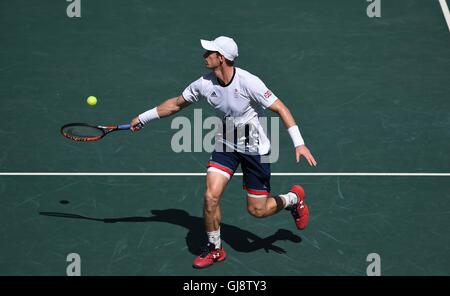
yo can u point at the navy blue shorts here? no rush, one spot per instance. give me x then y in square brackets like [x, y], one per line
[256, 175]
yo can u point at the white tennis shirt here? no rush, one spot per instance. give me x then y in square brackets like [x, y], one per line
[239, 103]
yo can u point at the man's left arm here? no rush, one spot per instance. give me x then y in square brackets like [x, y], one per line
[293, 130]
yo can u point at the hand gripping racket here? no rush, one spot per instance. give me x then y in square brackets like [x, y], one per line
[83, 132]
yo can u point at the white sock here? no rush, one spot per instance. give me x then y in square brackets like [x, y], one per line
[290, 199]
[214, 238]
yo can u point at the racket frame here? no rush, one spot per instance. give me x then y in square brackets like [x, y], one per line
[105, 129]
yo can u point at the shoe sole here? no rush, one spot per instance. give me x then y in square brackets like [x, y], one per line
[302, 228]
[304, 203]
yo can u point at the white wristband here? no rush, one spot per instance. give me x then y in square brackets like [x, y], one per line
[296, 137]
[148, 116]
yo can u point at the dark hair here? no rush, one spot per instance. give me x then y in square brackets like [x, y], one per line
[229, 63]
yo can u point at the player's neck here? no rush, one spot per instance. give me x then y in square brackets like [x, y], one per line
[224, 73]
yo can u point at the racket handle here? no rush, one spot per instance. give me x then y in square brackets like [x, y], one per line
[128, 126]
[124, 126]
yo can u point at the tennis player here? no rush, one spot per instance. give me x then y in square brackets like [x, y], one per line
[239, 98]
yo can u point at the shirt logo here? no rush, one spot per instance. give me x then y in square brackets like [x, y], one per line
[267, 94]
[214, 94]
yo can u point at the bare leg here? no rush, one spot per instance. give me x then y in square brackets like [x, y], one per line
[215, 185]
[261, 207]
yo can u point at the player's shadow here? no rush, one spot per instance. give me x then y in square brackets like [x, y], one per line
[239, 239]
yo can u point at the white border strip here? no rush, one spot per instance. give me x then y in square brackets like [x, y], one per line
[237, 174]
[446, 12]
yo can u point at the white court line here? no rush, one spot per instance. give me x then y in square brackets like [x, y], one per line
[237, 174]
[446, 12]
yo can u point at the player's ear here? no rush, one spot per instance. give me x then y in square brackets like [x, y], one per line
[221, 58]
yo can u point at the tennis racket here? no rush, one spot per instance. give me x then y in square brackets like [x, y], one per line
[83, 132]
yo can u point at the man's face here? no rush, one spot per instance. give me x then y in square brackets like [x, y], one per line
[213, 59]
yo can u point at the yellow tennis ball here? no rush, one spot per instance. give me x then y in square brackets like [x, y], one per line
[91, 100]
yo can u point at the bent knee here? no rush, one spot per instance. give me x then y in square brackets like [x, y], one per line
[258, 212]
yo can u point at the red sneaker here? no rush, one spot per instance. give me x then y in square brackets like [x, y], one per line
[300, 211]
[208, 256]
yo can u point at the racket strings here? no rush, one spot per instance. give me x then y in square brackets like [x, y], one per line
[82, 132]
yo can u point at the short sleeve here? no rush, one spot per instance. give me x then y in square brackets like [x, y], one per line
[192, 93]
[259, 92]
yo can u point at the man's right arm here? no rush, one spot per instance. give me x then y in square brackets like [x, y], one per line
[172, 106]
[167, 108]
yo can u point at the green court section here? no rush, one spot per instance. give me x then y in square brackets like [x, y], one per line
[370, 95]
[153, 226]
